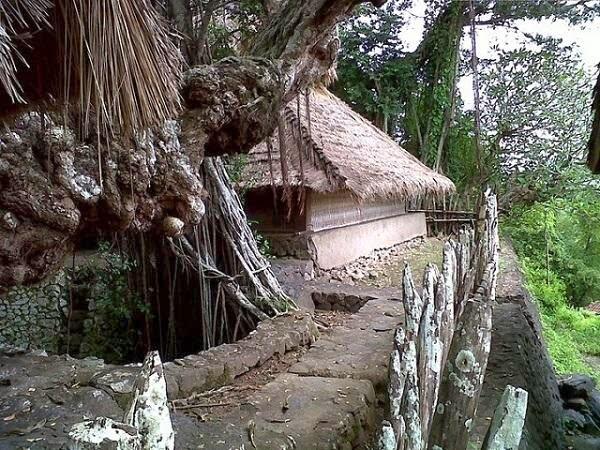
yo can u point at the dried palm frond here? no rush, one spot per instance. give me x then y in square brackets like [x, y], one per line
[16, 16]
[128, 69]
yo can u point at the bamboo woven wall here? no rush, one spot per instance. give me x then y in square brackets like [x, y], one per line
[326, 211]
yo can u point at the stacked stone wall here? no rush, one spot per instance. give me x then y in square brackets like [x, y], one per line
[34, 317]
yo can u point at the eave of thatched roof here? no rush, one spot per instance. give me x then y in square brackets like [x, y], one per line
[344, 152]
[112, 60]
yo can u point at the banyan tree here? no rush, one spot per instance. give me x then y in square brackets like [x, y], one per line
[106, 131]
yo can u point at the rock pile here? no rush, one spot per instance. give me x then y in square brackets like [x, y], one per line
[368, 266]
[581, 402]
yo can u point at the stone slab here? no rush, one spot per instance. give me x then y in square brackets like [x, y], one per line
[378, 315]
[349, 353]
[220, 365]
[312, 413]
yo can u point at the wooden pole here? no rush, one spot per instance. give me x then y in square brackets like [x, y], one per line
[463, 377]
[413, 307]
[430, 349]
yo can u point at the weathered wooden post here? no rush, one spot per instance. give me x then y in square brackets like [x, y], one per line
[397, 382]
[147, 422]
[507, 424]
[463, 377]
[430, 347]
[149, 409]
[413, 308]
[387, 438]
[447, 332]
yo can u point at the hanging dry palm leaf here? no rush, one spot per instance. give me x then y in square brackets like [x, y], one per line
[15, 16]
[117, 60]
[125, 62]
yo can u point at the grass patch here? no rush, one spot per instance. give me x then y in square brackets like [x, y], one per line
[571, 333]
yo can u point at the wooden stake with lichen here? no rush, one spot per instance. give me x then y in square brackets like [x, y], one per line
[463, 377]
[507, 424]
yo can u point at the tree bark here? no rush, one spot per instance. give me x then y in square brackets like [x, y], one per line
[50, 192]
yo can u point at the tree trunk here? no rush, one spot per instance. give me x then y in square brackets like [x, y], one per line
[229, 107]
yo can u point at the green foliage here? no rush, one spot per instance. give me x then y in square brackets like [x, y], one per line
[561, 236]
[534, 99]
[373, 68]
[460, 158]
[405, 93]
[535, 110]
[264, 246]
[234, 165]
[109, 331]
[570, 333]
[560, 254]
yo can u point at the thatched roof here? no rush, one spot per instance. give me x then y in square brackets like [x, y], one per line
[111, 59]
[344, 152]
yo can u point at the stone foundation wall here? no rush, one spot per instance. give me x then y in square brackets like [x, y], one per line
[34, 317]
[289, 245]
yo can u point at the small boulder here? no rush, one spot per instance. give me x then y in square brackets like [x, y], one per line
[575, 386]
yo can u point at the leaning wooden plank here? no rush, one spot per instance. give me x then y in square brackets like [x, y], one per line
[463, 377]
[507, 424]
[103, 433]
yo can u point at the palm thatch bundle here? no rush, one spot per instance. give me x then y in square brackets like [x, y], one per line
[594, 142]
[14, 17]
[111, 60]
[328, 147]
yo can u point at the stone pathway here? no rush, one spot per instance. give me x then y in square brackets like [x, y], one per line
[328, 400]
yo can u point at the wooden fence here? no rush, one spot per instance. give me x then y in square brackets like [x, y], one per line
[447, 222]
[440, 354]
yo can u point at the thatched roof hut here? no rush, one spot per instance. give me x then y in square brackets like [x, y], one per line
[113, 61]
[356, 179]
[341, 150]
